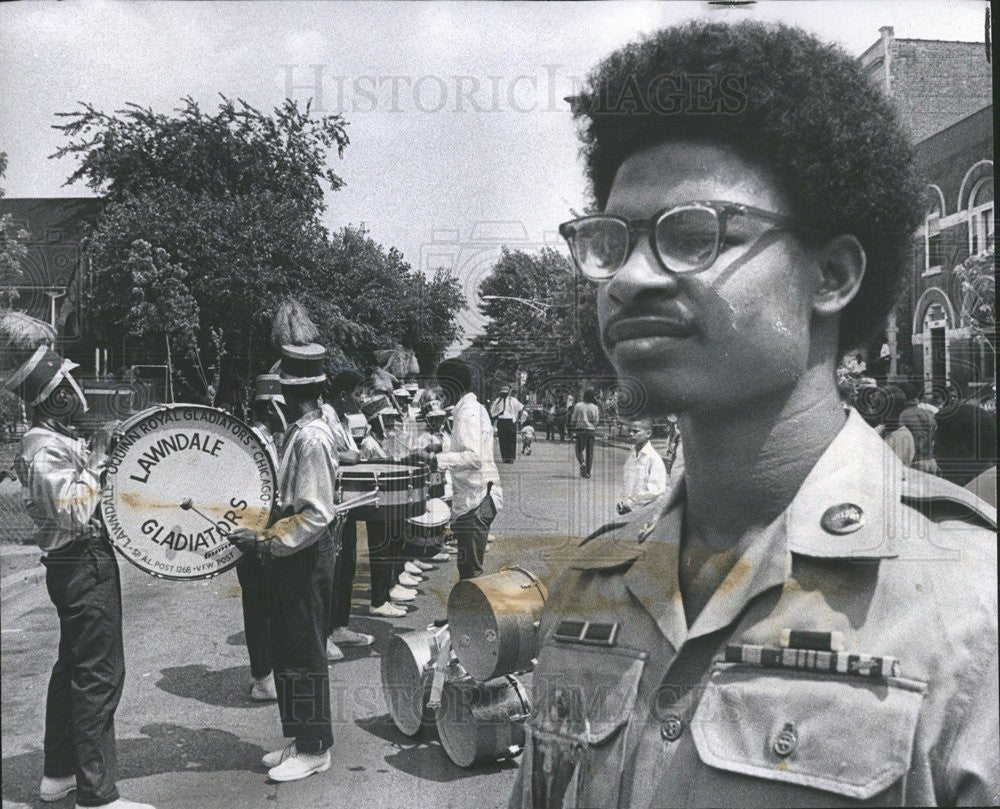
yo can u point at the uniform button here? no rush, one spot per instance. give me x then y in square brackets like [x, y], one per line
[671, 729]
[844, 518]
[786, 741]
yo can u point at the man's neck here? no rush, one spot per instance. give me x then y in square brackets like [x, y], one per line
[743, 467]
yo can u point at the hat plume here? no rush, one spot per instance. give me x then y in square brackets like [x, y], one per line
[292, 325]
[20, 335]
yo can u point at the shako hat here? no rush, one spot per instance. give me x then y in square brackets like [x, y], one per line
[302, 365]
[378, 406]
[268, 388]
[39, 375]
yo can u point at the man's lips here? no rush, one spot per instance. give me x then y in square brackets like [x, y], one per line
[637, 327]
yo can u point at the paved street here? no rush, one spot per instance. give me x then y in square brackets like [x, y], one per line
[188, 734]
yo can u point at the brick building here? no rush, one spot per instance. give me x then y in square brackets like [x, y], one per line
[943, 91]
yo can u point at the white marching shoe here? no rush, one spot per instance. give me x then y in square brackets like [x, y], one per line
[413, 568]
[343, 636]
[264, 689]
[121, 803]
[424, 566]
[274, 759]
[54, 789]
[387, 610]
[333, 651]
[400, 593]
[301, 765]
[409, 580]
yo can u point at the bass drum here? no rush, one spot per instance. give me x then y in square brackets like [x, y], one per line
[492, 620]
[180, 478]
[407, 675]
[480, 722]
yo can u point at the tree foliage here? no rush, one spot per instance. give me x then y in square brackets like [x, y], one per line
[210, 221]
[12, 250]
[543, 320]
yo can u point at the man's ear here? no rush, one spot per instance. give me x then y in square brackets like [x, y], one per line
[842, 264]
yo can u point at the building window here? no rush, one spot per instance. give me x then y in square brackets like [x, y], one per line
[933, 241]
[981, 221]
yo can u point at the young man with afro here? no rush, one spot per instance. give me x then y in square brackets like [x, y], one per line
[801, 621]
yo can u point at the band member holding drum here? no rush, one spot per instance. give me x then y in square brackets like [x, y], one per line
[268, 422]
[61, 480]
[384, 536]
[300, 551]
[477, 494]
[340, 401]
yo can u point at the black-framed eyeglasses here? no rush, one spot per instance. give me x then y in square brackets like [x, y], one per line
[684, 238]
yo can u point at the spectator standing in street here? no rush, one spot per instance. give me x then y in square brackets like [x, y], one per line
[550, 419]
[645, 472]
[477, 496]
[506, 414]
[920, 423]
[60, 477]
[583, 422]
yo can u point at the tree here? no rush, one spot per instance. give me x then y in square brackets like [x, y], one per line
[210, 220]
[12, 251]
[542, 319]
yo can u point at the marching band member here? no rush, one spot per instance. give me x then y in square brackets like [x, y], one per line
[61, 480]
[384, 536]
[341, 392]
[300, 552]
[269, 421]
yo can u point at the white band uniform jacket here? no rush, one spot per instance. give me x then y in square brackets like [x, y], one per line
[307, 477]
[470, 457]
[655, 717]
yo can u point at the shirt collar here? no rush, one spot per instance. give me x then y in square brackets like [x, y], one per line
[841, 511]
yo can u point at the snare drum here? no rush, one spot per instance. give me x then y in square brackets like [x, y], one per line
[401, 488]
[407, 675]
[480, 722]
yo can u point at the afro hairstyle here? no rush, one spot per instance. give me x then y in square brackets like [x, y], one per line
[783, 100]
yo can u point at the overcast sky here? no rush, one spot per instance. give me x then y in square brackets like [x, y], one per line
[459, 134]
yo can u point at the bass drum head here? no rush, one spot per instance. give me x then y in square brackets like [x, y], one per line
[480, 722]
[180, 478]
[405, 683]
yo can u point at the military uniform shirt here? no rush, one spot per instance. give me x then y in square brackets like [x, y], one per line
[633, 708]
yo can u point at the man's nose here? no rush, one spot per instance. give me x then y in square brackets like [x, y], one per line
[640, 274]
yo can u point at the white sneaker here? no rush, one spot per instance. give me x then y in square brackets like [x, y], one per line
[387, 610]
[441, 557]
[121, 803]
[54, 789]
[420, 563]
[343, 636]
[264, 689]
[270, 760]
[413, 568]
[409, 580]
[301, 765]
[333, 651]
[400, 593]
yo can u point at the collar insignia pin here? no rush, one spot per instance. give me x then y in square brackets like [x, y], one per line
[843, 518]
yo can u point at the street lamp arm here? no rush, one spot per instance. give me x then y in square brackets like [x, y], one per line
[540, 307]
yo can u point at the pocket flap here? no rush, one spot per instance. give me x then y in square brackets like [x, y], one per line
[848, 735]
[584, 693]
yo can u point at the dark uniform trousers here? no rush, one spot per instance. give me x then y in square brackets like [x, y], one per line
[507, 436]
[471, 531]
[256, 620]
[299, 601]
[87, 679]
[385, 538]
[343, 576]
[585, 449]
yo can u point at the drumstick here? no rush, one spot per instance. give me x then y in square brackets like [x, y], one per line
[188, 506]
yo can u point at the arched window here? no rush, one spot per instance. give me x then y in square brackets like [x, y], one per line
[981, 221]
[933, 240]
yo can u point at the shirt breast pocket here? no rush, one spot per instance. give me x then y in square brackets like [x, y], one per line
[793, 733]
[583, 706]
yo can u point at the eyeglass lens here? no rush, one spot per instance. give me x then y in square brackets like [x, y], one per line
[686, 240]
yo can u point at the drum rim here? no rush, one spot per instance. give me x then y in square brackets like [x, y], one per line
[422, 712]
[137, 419]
